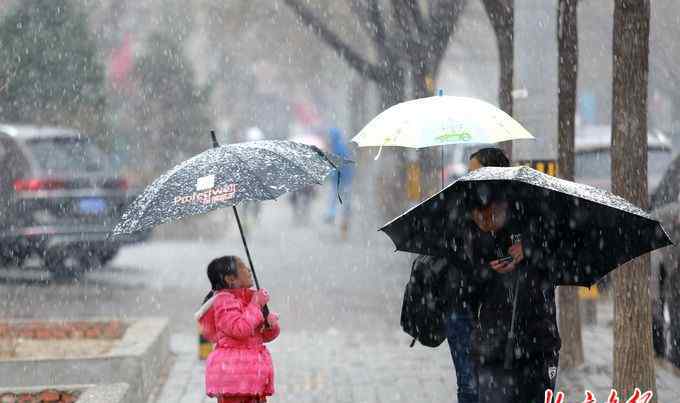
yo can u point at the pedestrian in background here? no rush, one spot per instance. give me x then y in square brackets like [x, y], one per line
[240, 368]
[337, 146]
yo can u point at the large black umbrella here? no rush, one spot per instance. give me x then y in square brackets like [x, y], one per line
[581, 232]
[586, 232]
[225, 176]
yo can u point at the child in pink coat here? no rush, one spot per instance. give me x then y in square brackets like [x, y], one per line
[240, 369]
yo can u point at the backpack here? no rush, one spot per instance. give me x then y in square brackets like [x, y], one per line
[425, 306]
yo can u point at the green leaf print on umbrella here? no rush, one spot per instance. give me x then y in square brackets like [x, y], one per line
[454, 136]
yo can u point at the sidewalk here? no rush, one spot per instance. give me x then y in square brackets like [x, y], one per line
[378, 368]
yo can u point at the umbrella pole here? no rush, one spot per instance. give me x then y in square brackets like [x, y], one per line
[442, 167]
[265, 309]
[509, 347]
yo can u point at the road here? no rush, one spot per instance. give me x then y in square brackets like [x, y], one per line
[317, 280]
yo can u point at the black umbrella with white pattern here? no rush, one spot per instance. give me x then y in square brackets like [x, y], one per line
[224, 176]
[586, 232]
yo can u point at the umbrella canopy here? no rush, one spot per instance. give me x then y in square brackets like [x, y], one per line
[225, 176]
[440, 120]
[311, 140]
[583, 231]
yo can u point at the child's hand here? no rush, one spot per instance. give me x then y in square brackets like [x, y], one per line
[260, 297]
[273, 319]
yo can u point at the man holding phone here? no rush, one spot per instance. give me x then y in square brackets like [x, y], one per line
[466, 286]
[486, 290]
[519, 340]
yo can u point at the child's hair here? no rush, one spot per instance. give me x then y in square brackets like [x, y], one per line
[217, 270]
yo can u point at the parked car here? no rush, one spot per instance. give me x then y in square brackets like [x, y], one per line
[60, 198]
[593, 166]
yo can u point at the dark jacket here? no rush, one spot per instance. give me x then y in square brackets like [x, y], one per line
[536, 323]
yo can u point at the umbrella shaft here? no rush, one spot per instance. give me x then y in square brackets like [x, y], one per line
[245, 245]
[442, 167]
[509, 347]
[265, 309]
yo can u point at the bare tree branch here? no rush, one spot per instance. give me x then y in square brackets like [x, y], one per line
[444, 20]
[502, 17]
[376, 18]
[500, 14]
[410, 18]
[417, 15]
[404, 36]
[360, 11]
[400, 15]
[371, 18]
[373, 22]
[354, 59]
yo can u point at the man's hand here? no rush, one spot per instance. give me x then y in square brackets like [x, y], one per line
[517, 253]
[502, 267]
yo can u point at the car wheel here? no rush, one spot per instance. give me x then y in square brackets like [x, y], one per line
[106, 255]
[9, 259]
[65, 264]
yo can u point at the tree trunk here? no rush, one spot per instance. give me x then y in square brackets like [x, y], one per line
[391, 179]
[429, 158]
[633, 353]
[571, 354]
[502, 17]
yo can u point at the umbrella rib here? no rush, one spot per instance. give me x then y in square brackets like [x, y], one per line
[257, 178]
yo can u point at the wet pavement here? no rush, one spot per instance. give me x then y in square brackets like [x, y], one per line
[339, 302]
[359, 366]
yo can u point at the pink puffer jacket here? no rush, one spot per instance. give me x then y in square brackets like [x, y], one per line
[240, 364]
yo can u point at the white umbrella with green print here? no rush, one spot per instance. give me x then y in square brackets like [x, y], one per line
[439, 121]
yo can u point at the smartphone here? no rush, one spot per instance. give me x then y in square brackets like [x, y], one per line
[506, 259]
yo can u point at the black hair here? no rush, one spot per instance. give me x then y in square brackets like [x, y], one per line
[491, 157]
[217, 270]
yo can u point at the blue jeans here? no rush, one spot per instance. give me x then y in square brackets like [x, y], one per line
[459, 329]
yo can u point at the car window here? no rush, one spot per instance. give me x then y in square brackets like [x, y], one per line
[67, 155]
[5, 179]
[13, 163]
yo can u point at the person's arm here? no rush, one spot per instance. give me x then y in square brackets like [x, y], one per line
[237, 321]
[273, 330]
